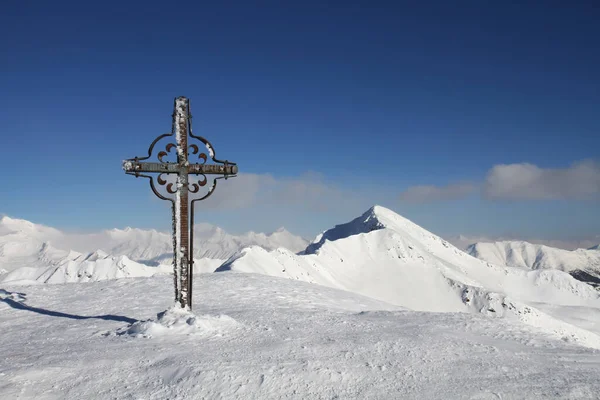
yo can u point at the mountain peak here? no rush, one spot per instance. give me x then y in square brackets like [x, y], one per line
[377, 209]
[383, 215]
[376, 217]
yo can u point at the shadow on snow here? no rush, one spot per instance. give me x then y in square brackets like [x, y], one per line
[21, 306]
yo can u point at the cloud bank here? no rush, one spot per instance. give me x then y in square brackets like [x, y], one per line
[581, 181]
[309, 191]
[522, 181]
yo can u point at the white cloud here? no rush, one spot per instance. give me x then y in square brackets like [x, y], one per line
[240, 192]
[309, 191]
[529, 182]
[431, 193]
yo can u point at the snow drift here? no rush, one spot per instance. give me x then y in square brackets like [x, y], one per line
[180, 321]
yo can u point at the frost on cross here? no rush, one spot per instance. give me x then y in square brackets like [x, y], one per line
[184, 192]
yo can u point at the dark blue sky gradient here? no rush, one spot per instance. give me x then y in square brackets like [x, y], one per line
[374, 96]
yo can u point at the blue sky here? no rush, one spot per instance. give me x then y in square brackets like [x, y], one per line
[469, 117]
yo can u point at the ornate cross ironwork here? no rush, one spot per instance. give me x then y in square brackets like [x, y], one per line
[179, 189]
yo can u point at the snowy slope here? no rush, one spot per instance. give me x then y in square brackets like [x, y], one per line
[259, 337]
[534, 256]
[387, 257]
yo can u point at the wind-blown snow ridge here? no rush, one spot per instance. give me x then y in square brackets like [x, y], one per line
[387, 257]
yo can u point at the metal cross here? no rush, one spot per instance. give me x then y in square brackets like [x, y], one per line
[182, 204]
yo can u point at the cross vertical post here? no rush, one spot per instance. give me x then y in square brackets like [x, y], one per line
[181, 187]
[182, 255]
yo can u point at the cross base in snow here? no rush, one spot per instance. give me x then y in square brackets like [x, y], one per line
[175, 177]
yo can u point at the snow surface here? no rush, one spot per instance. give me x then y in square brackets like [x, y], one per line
[387, 257]
[178, 320]
[256, 336]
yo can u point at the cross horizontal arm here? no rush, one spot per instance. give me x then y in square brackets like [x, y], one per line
[213, 169]
[174, 168]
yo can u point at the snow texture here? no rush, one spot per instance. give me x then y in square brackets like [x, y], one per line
[211, 152]
[127, 165]
[181, 110]
[290, 339]
[177, 320]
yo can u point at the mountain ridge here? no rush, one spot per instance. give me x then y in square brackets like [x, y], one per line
[38, 248]
[580, 263]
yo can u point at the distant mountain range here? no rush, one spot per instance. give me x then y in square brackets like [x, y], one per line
[581, 264]
[464, 241]
[32, 252]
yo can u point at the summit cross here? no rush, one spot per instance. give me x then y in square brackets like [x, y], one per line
[181, 190]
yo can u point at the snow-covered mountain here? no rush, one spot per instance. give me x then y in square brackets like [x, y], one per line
[289, 339]
[38, 251]
[582, 264]
[27, 256]
[387, 257]
[74, 267]
[153, 247]
[464, 241]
